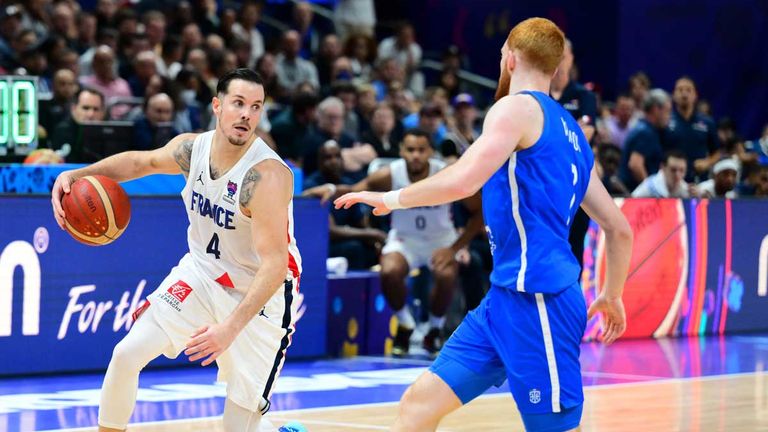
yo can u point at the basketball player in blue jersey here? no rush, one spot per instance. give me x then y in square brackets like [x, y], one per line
[535, 167]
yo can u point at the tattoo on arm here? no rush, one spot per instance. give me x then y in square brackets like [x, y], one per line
[183, 155]
[250, 181]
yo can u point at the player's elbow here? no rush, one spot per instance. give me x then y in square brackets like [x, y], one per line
[620, 232]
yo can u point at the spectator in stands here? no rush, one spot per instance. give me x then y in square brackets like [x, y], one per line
[63, 24]
[669, 181]
[404, 49]
[303, 24]
[639, 86]
[108, 37]
[171, 57]
[53, 111]
[35, 63]
[22, 42]
[10, 26]
[197, 60]
[361, 51]
[616, 127]
[385, 133]
[430, 120]
[86, 27]
[401, 99]
[105, 81]
[643, 152]
[355, 17]
[191, 36]
[293, 70]
[291, 127]
[450, 82]
[388, 71]
[366, 103]
[341, 70]
[347, 92]
[607, 166]
[464, 131]
[759, 147]
[574, 97]
[154, 128]
[89, 106]
[692, 133]
[350, 235]
[761, 182]
[154, 27]
[105, 13]
[144, 68]
[723, 185]
[330, 50]
[330, 126]
[245, 28]
[266, 66]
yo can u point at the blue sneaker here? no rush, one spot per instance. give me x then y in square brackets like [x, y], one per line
[292, 427]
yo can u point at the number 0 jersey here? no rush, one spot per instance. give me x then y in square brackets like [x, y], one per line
[219, 234]
[530, 202]
[420, 222]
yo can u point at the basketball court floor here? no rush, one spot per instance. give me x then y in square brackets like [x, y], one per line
[688, 384]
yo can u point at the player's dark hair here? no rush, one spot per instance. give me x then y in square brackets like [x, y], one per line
[244, 74]
[419, 133]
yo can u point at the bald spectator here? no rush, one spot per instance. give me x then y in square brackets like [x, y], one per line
[105, 81]
[144, 68]
[293, 70]
[88, 106]
[153, 129]
[245, 28]
[53, 111]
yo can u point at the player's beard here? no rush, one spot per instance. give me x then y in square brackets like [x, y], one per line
[503, 88]
[238, 141]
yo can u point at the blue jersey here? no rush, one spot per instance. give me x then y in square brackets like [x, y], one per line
[530, 202]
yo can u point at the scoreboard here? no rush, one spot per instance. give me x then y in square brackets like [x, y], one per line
[18, 115]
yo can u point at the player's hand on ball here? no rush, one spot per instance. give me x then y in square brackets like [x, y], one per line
[614, 319]
[373, 199]
[210, 341]
[61, 187]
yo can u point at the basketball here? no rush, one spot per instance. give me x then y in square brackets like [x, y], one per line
[97, 210]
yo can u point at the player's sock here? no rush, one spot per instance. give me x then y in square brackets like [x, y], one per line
[436, 322]
[240, 419]
[405, 318]
[144, 342]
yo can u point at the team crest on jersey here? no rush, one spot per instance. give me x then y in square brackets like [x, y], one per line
[534, 396]
[231, 191]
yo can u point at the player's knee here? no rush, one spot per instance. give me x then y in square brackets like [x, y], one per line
[391, 271]
[126, 359]
[414, 413]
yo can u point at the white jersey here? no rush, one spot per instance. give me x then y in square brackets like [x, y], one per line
[424, 222]
[219, 234]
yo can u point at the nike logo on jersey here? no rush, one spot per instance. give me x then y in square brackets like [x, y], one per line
[221, 216]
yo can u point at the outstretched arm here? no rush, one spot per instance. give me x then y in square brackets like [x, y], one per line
[618, 237]
[266, 192]
[173, 158]
[504, 128]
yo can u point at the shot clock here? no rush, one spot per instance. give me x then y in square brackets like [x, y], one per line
[18, 115]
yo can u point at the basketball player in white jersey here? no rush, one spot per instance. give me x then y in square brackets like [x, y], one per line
[233, 292]
[421, 236]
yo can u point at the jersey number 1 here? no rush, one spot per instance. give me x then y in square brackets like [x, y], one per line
[213, 246]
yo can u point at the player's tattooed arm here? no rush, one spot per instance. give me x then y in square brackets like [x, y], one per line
[250, 181]
[183, 155]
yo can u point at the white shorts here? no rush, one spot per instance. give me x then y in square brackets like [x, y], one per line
[187, 300]
[417, 250]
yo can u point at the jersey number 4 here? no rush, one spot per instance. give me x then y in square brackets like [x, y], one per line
[213, 246]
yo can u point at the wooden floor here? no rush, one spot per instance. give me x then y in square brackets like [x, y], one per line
[732, 403]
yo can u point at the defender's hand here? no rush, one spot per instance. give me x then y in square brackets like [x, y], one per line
[614, 318]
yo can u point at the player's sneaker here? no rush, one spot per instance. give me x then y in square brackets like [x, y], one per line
[433, 341]
[292, 427]
[402, 341]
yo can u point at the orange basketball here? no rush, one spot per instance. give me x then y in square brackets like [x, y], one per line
[97, 210]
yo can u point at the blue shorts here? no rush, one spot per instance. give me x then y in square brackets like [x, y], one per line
[531, 340]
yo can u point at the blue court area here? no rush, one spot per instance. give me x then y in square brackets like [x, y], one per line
[55, 403]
